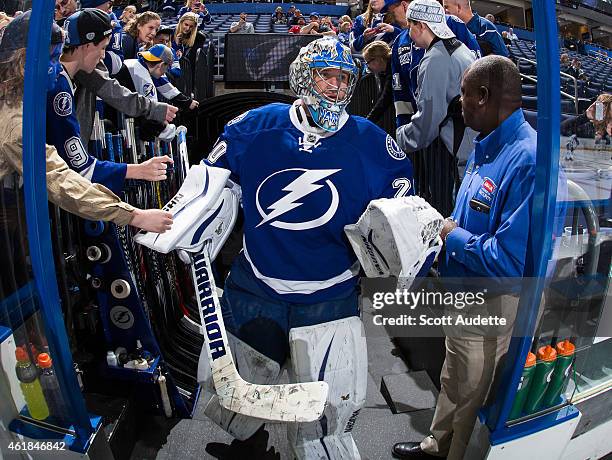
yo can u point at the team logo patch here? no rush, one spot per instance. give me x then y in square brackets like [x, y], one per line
[487, 190]
[238, 119]
[149, 90]
[90, 35]
[297, 199]
[489, 185]
[62, 104]
[394, 149]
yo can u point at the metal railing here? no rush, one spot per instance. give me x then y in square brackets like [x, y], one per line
[532, 78]
[218, 39]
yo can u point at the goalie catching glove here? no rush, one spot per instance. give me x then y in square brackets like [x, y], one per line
[397, 237]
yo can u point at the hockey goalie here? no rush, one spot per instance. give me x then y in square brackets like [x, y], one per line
[301, 173]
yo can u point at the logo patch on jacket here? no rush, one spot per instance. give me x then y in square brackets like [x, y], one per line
[487, 190]
[394, 150]
[62, 104]
[148, 90]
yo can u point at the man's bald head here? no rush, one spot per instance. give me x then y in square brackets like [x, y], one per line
[460, 8]
[499, 74]
[491, 88]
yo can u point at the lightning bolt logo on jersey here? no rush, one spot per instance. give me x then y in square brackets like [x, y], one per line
[299, 190]
[297, 202]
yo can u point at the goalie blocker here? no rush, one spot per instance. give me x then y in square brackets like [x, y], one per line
[397, 237]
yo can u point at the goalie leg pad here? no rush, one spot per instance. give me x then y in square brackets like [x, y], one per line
[336, 353]
[253, 367]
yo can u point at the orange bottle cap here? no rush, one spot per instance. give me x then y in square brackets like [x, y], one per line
[44, 360]
[21, 354]
[531, 360]
[547, 353]
[565, 348]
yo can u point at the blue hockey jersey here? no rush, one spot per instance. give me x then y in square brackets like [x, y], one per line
[299, 190]
[487, 34]
[405, 60]
[64, 133]
[113, 55]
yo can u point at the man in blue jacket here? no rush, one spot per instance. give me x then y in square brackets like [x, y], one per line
[491, 42]
[485, 236]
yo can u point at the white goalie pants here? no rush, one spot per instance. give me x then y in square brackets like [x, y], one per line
[334, 352]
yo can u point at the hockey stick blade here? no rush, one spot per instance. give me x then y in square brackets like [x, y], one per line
[295, 402]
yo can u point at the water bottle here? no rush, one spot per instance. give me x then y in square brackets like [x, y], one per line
[523, 389]
[27, 374]
[51, 389]
[546, 358]
[565, 357]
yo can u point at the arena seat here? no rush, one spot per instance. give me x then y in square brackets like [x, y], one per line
[530, 102]
[530, 90]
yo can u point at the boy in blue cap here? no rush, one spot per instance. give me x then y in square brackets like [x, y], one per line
[146, 75]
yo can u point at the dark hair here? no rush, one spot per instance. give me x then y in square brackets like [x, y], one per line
[12, 73]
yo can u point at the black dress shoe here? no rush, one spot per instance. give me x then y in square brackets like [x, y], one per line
[411, 450]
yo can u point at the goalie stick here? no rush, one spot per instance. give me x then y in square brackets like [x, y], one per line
[296, 402]
[204, 213]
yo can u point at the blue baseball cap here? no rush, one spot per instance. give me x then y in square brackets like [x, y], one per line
[158, 53]
[89, 25]
[314, 13]
[388, 3]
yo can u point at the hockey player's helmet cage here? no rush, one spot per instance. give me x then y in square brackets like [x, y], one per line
[324, 53]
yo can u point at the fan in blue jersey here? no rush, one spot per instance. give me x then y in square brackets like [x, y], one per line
[305, 171]
[489, 38]
[113, 56]
[406, 57]
[87, 34]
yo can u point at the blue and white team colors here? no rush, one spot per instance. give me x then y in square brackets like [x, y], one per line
[405, 60]
[113, 55]
[64, 133]
[299, 190]
[494, 203]
[487, 34]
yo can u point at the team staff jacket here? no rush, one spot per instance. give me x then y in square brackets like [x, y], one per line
[357, 39]
[438, 83]
[300, 189]
[405, 60]
[486, 32]
[493, 205]
[63, 132]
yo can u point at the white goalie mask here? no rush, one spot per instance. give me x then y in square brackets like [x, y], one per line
[314, 77]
